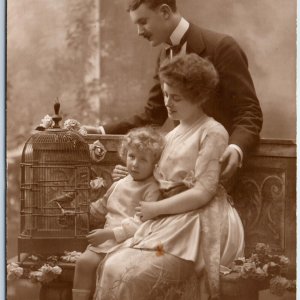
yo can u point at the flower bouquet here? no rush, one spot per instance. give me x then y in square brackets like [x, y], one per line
[263, 265]
[44, 269]
[70, 124]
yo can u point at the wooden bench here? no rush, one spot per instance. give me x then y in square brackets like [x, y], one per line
[265, 196]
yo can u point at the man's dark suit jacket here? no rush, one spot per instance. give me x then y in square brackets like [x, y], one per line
[236, 105]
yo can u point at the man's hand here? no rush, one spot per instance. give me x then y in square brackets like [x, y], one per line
[91, 129]
[119, 172]
[230, 161]
[147, 210]
[99, 236]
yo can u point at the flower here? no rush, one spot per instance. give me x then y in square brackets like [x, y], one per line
[72, 124]
[278, 285]
[97, 183]
[259, 274]
[262, 265]
[248, 268]
[97, 151]
[57, 270]
[262, 248]
[82, 131]
[33, 258]
[52, 259]
[284, 260]
[14, 271]
[70, 256]
[45, 274]
[273, 269]
[47, 122]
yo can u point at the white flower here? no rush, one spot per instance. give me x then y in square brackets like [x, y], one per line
[33, 258]
[57, 270]
[97, 183]
[35, 276]
[72, 124]
[47, 122]
[82, 131]
[14, 271]
[284, 260]
[70, 256]
[46, 273]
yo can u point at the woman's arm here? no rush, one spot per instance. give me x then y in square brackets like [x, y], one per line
[207, 173]
[188, 200]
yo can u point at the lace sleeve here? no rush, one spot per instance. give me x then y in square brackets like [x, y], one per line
[208, 168]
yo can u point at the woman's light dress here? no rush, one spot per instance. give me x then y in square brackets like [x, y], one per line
[207, 237]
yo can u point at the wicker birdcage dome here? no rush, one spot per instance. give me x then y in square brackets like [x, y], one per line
[59, 139]
[55, 141]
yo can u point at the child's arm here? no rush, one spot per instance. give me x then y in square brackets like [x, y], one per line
[130, 225]
[98, 208]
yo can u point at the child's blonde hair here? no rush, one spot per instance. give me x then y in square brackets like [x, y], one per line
[142, 139]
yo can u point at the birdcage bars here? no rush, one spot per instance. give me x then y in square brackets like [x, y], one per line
[55, 192]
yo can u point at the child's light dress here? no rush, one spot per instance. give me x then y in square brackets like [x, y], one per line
[118, 205]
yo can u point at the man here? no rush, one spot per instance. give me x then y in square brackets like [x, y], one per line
[235, 106]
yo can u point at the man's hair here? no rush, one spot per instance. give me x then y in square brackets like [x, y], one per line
[195, 77]
[142, 139]
[152, 4]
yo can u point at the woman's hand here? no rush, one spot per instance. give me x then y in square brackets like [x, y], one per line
[119, 172]
[99, 236]
[147, 210]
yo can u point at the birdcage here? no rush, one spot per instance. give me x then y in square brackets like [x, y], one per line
[55, 190]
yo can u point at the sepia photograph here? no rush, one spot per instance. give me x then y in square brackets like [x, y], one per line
[190, 104]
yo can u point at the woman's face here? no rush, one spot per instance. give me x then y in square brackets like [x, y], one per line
[178, 106]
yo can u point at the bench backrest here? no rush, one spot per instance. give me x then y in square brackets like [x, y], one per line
[264, 194]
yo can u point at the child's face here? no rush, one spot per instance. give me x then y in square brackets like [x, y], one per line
[140, 164]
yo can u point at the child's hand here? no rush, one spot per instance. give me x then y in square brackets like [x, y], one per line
[99, 236]
[147, 210]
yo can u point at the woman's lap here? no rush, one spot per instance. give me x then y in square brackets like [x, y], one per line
[131, 273]
[140, 274]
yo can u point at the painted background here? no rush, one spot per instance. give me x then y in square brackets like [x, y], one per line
[53, 47]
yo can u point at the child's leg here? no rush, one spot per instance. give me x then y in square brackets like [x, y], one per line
[85, 274]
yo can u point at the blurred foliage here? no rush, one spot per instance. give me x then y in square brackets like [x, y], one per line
[51, 52]
[50, 63]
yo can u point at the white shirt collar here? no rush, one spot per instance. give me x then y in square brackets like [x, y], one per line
[179, 31]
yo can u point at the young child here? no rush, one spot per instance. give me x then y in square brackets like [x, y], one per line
[141, 150]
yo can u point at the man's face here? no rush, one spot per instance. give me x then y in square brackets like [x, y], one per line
[151, 24]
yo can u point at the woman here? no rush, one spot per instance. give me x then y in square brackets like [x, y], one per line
[194, 228]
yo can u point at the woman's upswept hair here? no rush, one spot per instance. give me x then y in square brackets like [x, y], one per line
[152, 4]
[195, 77]
[142, 139]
